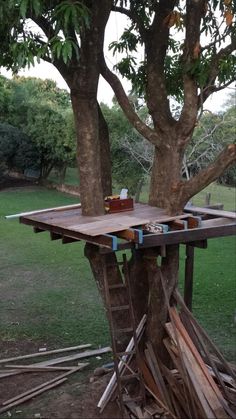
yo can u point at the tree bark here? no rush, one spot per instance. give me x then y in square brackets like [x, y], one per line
[166, 183]
[88, 154]
[105, 154]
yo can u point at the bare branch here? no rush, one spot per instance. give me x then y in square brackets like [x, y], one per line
[210, 86]
[130, 13]
[194, 13]
[226, 158]
[126, 106]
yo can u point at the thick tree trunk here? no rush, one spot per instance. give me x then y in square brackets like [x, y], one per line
[105, 154]
[147, 276]
[88, 153]
[166, 182]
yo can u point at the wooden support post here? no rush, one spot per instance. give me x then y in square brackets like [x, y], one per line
[188, 282]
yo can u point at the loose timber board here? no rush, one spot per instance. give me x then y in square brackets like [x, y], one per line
[209, 211]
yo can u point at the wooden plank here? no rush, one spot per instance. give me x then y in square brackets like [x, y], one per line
[80, 355]
[29, 213]
[31, 395]
[152, 388]
[229, 368]
[188, 279]
[211, 391]
[184, 236]
[196, 376]
[108, 226]
[214, 222]
[216, 213]
[28, 368]
[103, 240]
[41, 386]
[156, 372]
[54, 351]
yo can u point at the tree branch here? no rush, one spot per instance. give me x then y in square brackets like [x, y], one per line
[133, 17]
[226, 158]
[194, 13]
[156, 46]
[126, 106]
[214, 72]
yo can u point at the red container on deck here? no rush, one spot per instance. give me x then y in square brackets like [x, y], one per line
[118, 205]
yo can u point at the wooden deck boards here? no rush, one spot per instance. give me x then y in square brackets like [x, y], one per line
[73, 220]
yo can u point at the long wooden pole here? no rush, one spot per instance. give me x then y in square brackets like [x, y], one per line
[54, 351]
[24, 214]
[188, 282]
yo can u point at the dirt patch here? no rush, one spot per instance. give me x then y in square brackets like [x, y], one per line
[75, 399]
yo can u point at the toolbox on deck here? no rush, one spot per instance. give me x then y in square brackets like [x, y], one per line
[113, 204]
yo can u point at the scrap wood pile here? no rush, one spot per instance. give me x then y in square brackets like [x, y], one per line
[198, 383]
[48, 366]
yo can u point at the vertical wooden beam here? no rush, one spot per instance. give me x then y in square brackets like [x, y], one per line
[188, 282]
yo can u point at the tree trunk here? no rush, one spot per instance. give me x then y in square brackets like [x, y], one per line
[88, 153]
[166, 182]
[105, 154]
[146, 276]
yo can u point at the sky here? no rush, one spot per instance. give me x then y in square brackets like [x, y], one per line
[114, 29]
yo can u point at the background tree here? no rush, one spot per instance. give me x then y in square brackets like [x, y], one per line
[188, 55]
[129, 150]
[17, 152]
[70, 36]
[41, 113]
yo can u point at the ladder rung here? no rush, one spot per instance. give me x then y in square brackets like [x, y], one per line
[119, 308]
[125, 330]
[119, 285]
[128, 377]
[119, 354]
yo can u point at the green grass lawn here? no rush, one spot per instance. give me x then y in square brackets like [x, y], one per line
[47, 292]
[45, 286]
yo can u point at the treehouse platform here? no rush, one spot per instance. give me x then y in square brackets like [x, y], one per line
[144, 226]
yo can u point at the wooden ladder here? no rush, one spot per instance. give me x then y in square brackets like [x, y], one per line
[124, 357]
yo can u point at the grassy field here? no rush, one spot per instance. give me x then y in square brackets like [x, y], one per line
[47, 293]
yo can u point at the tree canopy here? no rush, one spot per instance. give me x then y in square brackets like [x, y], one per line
[187, 54]
[41, 114]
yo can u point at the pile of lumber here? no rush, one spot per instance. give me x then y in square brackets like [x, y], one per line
[197, 382]
[9, 368]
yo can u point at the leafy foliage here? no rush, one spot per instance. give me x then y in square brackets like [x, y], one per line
[42, 114]
[17, 152]
[217, 28]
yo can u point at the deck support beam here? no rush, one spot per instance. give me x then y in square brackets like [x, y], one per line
[188, 280]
